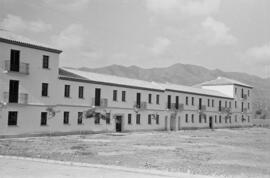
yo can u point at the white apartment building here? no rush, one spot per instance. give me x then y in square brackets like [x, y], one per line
[38, 97]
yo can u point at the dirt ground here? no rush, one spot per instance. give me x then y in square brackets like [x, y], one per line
[223, 152]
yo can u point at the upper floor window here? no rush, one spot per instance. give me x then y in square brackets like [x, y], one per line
[226, 104]
[186, 100]
[44, 89]
[67, 91]
[192, 101]
[208, 102]
[235, 104]
[81, 91]
[157, 99]
[235, 90]
[45, 62]
[123, 96]
[213, 103]
[248, 93]
[149, 98]
[114, 95]
[186, 118]
[14, 60]
[169, 102]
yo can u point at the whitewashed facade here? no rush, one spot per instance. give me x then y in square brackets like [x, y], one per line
[39, 98]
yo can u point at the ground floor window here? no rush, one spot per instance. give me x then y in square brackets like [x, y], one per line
[43, 120]
[97, 118]
[108, 118]
[215, 119]
[192, 118]
[149, 119]
[200, 118]
[157, 119]
[186, 118]
[129, 118]
[80, 117]
[66, 117]
[138, 119]
[12, 118]
[220, 119]
[235, 118]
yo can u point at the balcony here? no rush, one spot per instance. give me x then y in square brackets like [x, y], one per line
[174, 107]
[141, 106]
[103, 103]
[23, 69]
[202, 108]
[245, 110]
[244, 96]
[225, 110]
[22, 98]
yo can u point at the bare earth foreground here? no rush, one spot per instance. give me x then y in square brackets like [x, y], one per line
[220, 153]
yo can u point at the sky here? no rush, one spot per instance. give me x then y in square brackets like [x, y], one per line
[231, 35]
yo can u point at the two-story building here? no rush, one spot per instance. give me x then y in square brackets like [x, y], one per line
[38, 97]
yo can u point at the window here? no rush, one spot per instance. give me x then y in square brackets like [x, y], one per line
[123, 96]
[43, 120]
[169, 102]
[177, 102]
[248, 118]
[200, 118]
[44, 90]
[12, 118]
[80, 91]
[129, 118]
[248, 105]
[242, 93]
[66, 117]
[219, 119]
[157, 99]
[97, 118]
[149, 98]
[235, 118]
[248, 93]
[219, 106]
[235, 104]
[192, 118]
[205, 119]
[149, 119]
[215, 118]
[80, 117]
[45, 62]
[186, 100]
[186, 118]
[67, 91]
[157, 119]
[208, 102]
[213, 103]
[114, 95]
[192, 101]
[235, 90]
[14, 60]
[230, 104]
[138, 119]
[108, 118]
[226, 104]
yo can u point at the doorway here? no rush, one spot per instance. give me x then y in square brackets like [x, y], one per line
[172, 122]
[211, 122]
[118, 124]
[13, 91]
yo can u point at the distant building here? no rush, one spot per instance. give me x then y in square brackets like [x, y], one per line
[38, 97]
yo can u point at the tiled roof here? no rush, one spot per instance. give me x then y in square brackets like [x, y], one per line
[115, 80]
[11, 38]
[223, 81]
[194, 90]
[108, 79]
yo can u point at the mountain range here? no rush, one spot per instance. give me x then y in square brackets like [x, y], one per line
[186, 74]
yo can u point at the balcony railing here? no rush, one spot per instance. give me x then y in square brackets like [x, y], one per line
[103, 102]
[174, 107]
[202, 108]
[22, 98]
[141, 106]
[23, 69]
[244, 96]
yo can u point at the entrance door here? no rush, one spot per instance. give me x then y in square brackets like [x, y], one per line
[13, 91]
[118, 124]
[211, 122]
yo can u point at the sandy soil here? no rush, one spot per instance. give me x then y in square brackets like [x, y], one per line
[224, 152]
